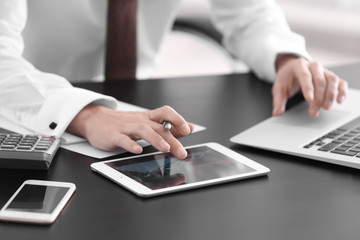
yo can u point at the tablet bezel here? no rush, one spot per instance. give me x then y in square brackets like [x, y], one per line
[143, 191]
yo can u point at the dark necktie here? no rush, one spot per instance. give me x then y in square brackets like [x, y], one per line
[120, 60]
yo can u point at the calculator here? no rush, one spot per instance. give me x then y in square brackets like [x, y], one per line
[27, 151]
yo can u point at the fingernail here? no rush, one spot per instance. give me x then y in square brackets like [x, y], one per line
[327, 104]
[181, 152]
[277, 111]
[185, 128]
[164, 145]
[274, 113]
[342, 98]
[137, 149]
[310, 95]
[315, 110]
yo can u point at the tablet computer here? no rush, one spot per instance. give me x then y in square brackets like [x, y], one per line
[159, 173]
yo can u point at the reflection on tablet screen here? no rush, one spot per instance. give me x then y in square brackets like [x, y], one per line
[164, 170]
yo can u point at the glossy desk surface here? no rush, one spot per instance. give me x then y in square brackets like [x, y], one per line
[299, 199]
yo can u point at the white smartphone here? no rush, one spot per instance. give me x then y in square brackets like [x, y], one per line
[37, 201]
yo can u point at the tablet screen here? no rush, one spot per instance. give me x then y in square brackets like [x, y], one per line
[164, 170]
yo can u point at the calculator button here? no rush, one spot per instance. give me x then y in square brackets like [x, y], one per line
[27, 141]
[47, 143]
[26, 144]
[13, 139]
[41, 147]
[15, 136]
[8, 146]
[24, 147]
[6, 142]
[31, 136]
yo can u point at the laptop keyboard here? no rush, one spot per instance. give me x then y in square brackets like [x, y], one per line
[344, 140]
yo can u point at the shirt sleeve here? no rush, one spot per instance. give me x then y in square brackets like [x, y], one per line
[256, 32]
[42, 102]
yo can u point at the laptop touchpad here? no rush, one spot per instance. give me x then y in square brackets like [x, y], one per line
[299, 116]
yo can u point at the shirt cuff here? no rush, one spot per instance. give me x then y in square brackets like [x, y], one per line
[62, 106]
[289, 44]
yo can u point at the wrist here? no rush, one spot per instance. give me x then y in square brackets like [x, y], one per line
[79, 125]
[283, 58]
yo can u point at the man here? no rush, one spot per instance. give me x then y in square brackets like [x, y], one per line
[68, 39]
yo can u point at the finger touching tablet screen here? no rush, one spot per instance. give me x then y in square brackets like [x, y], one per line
[159, 173]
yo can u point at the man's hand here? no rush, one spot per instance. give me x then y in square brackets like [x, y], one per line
[319, 86]
[108, 129]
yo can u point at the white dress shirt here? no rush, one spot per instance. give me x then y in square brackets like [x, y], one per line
[46, 44]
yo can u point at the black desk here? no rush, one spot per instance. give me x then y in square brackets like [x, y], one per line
[300, 199]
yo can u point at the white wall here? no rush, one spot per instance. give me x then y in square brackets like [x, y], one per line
[331, 28]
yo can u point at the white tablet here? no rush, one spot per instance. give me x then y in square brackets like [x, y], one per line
[159, 173]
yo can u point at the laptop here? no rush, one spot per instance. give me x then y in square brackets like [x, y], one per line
[332, 137]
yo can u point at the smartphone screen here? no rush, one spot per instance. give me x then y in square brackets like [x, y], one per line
[37, 198]
[37, 201]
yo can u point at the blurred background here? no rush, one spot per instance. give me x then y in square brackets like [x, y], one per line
[331, 29]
